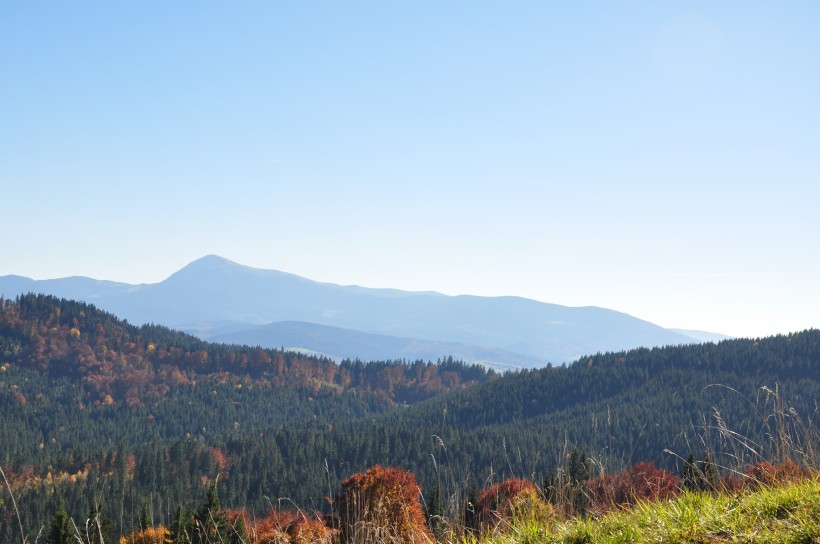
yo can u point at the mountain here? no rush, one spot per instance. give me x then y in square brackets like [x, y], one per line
[338, 344]
[703, 336]
[213, 294]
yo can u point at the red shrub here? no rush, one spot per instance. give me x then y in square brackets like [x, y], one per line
[499, 498]
[642, 482]
[601, 492]
[511, 499]
[762, 472]
[765, 473]
[290, 527]
[382, 504]
[733, 484]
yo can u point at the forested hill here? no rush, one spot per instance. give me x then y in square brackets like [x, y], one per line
[95, 407]
[738, 400]
[119, 362]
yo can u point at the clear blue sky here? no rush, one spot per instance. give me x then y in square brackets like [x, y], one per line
[657, 158]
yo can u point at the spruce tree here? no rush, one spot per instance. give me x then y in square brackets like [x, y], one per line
[98, 529]
[708, 473]
[579, 470]
[146, 521]
[181, 527]
[238, 531]
[549, 489]
[210, 523]
[60, 531]
[435, 511]
[470, 509]
[690, 475]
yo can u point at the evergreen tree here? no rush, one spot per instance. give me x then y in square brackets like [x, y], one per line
[689, 477]
[239, 531]
[580, 467]
[709, 477]
[471, 520]
[181, 527]
[60, 531]
[549, 489]
[146, 521]
[700, 476]
[98, 529]
[579, 470]
[435, 511]
[210, 523]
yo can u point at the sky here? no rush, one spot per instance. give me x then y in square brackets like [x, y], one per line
[657, 158]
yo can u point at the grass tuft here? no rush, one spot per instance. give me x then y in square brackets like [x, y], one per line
[787, 513]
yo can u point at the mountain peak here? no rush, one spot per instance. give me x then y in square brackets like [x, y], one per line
[211, 261]
[206, 264]
[207, 268]
[216, 271]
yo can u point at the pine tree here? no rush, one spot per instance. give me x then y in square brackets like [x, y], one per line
[689, 477]
[549, 489]
[580, 467]
[238, 531]
[98, 529]
[708, 473]
[579, 470]
[471, 519]
[181, 527]
[60, 531]
[146, 521]
[435, 511]
[210, 523]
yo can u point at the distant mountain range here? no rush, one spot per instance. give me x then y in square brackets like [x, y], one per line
[223, 301]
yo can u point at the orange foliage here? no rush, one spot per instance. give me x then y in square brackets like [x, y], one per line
[19, 397]
[290, 526]
[219, 458]
[123, 364]
[499, 501]
[382, 504]
[156, 535]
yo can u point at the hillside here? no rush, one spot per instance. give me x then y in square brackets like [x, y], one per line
[95, 405]
[789, 512]
[338, 343]
[213, 294]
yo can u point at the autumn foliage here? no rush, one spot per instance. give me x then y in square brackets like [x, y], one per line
[498, 500]
[641, 482]
[765, 473]
[121, 363]
[381, 504]
[150, 535]
[513, 499]
[290, 527]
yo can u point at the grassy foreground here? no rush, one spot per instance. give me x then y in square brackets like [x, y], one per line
[789, 513]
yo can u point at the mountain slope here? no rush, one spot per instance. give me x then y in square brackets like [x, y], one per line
[703, 336]
[213, 292]
[338, 343]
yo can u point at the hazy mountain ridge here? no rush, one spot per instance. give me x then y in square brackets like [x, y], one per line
[703, 336]
[339, 343]
[212, 292]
